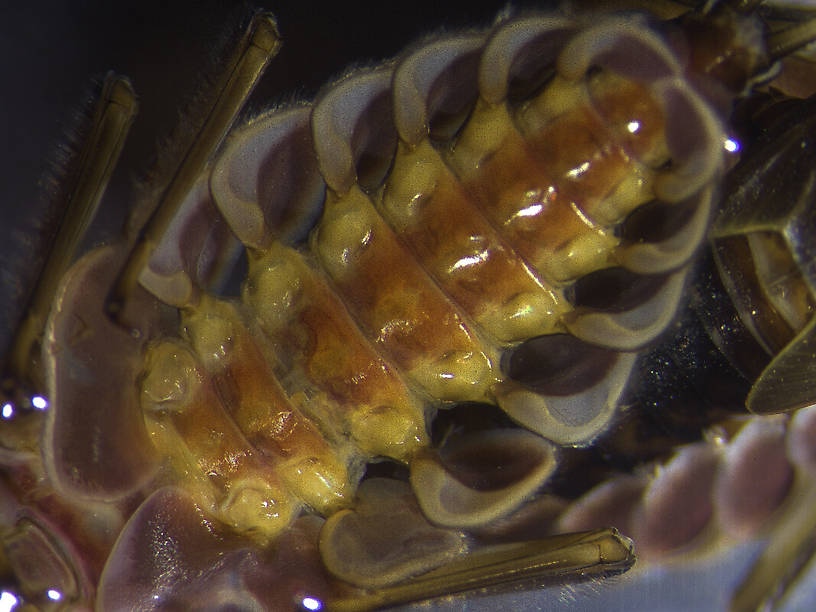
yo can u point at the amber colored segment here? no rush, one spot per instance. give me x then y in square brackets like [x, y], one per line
[781, 278]
[207, 451]
[397, 305]
[580, 155]
[740, 271]
[254, 399]
[601, 140]
[576, 165]
[632, 115]
[425, 204]
[305, 320]
[516, 193]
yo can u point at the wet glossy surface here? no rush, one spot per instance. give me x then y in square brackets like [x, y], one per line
[704, 587]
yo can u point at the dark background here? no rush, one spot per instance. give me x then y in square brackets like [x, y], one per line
[53, 50]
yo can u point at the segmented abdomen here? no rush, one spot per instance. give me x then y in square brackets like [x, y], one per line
[456, 221]
[474, 244]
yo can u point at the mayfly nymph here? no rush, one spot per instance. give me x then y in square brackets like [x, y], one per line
[456, 261]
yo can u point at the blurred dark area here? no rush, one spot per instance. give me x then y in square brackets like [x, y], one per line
[53, 51]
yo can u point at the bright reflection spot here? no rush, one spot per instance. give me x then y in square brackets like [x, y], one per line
[54, 595]
[7, 601]
[530, 211]
[7, 412]
[39, 402]
[730, 145]
[535, 202]
[579, 170]
[471, 260]
[633, 126]
[310, 603]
